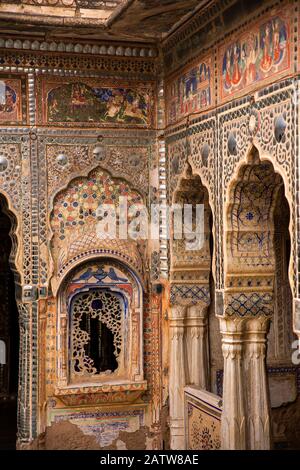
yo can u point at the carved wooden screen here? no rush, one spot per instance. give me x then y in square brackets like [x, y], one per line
[96, 332]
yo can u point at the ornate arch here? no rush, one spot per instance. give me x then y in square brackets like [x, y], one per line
[190, 270]
[15, 255]
[98, 277]
[22, 320]
[252, 159]
[258, 261]
[73, 223]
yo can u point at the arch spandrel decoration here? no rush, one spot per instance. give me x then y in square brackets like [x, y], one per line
[74, 221]
[120, 161]
[97, 281]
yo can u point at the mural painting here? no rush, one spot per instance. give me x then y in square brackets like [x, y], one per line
[191, 92]
[258, 54]
[103, 425]
[10, 101]
[91, 102]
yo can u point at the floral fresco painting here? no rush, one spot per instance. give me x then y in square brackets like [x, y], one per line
[190, 92]
[10, 101]
[259, 54]
[80, 102]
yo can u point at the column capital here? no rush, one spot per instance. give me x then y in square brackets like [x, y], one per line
[178, 312]
[198, 310]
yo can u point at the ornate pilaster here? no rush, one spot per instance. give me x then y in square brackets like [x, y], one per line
[233, 422]
[177, 378]
[197, 345]
[258, 421]
[246, 410]
[24, 409]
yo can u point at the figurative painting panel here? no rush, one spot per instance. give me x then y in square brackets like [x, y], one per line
[191, 92]
[262, 52]
[89, 103]
[12, 101]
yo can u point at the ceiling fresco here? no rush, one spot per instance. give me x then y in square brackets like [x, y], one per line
[138, 20]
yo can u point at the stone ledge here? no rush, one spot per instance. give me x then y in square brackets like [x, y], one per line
[108, 393]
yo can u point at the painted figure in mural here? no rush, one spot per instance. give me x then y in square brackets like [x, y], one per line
[79, 102]
[8, 102]
[227, 79]
[250, 60]
[202, 73]
[115, 106]
[276, 41]
[266, 45]
[203, 99]
[78, 98]
[236, 71]
[280, 41]
[134, 109]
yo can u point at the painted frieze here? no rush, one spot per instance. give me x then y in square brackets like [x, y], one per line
[90, 102]
[264, 51]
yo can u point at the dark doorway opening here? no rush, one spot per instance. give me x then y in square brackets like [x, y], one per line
[9, 337]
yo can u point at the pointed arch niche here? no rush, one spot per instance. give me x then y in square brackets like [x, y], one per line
[258, 250]
[97, 285]
[191, 305]
[255, 316]
[100, 330]
[11, 372]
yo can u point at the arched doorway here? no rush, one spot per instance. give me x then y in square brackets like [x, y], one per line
[284, 399]
[281, 331]
[9, 334]
[256, 326]
[191, 293]
[191, 273]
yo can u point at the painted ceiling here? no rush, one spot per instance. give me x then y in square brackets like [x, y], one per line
[138, 20]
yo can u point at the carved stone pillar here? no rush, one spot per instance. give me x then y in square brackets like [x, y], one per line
[24, 424]
[258, 406]
[177, 377]
[197, 345]
[233, 422]
[296, 319]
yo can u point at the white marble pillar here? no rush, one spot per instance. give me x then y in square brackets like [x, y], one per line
[177, 377]
[233, 421]
[197, 346]
[258, 403]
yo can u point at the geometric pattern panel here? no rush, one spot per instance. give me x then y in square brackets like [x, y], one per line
[202, 420]
[191, 293]
[249, 304]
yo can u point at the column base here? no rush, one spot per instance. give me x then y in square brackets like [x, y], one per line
[177, 436]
